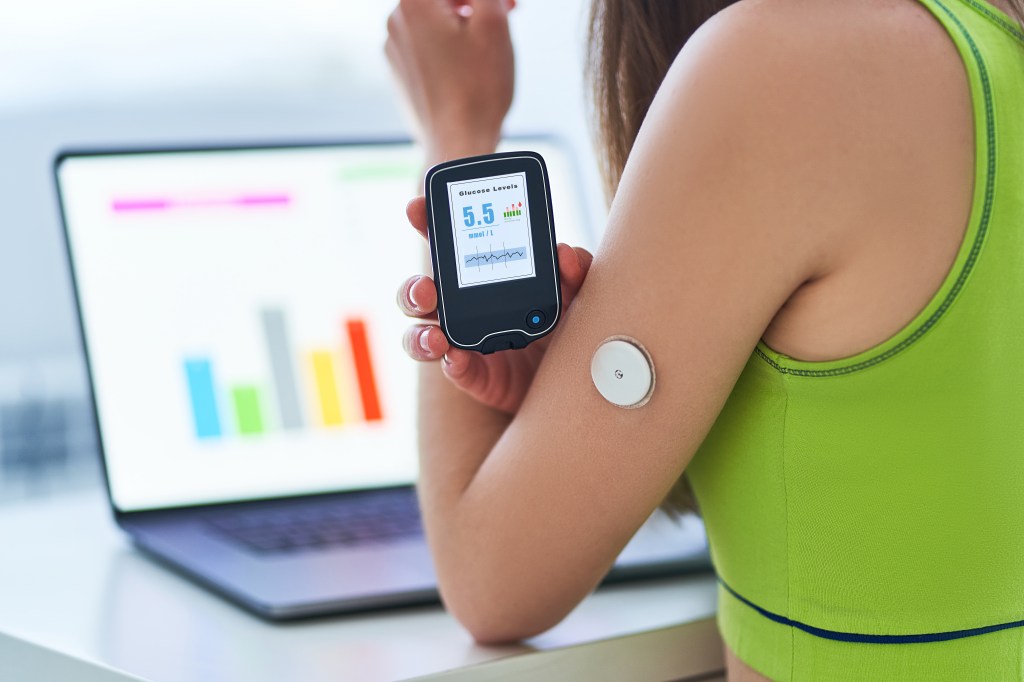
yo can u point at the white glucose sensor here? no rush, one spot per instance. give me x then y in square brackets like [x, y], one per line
[623, 372]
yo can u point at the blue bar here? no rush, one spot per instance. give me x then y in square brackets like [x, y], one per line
[204, 400]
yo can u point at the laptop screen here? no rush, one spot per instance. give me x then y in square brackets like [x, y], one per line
[238, 309]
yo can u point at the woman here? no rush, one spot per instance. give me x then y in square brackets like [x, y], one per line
[818, 237]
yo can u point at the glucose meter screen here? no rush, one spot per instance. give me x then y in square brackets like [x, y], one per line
[491, 225]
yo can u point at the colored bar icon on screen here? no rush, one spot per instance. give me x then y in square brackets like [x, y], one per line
[199, 374]
[326, 388]
[247, 409]
[252, 200]
[281, 363]
[364, 369]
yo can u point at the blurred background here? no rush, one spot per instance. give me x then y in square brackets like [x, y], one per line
[127, 73]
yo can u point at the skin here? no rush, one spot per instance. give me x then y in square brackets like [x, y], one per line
[804, 176]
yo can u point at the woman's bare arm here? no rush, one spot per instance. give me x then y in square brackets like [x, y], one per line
[716, 223]
[818, 150]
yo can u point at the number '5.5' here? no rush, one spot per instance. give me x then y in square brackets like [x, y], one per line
[470, 219]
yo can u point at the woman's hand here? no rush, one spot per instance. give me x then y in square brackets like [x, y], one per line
[499, 380]
[454, 61]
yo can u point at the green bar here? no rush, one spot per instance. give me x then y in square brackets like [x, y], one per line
[383, 171]
[247, 409]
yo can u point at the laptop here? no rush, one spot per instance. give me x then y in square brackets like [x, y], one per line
[255, 409]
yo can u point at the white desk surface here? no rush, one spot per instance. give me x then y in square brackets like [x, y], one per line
[71, 583]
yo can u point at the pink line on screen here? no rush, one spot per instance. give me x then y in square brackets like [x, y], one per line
[244, 200]
[263, 199]
[140, 204]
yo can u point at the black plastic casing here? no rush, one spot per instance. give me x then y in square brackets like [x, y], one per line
[492, 317]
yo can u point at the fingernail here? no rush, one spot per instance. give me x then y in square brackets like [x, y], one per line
[464, 11]
[412, 298]
[424, 340]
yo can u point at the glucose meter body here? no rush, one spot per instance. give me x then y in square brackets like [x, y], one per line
[493, 251]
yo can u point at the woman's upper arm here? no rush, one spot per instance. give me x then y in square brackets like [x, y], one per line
[708, 236]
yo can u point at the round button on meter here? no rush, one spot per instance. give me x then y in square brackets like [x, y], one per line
[622, 372]
[535, 319]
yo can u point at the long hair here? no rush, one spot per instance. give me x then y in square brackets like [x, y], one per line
[631, 45]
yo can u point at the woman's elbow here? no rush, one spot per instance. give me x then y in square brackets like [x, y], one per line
[490, 628]
[499, 616]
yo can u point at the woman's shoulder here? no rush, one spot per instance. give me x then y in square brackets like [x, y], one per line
[819, 46]
[816, 91]
[856, 118]
[841, 84]
[829, 26]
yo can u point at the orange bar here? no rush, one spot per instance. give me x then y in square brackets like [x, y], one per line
[364, 369]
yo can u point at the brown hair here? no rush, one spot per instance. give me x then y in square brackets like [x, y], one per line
[631, 45]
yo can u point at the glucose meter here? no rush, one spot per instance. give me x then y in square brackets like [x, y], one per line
[493, 251]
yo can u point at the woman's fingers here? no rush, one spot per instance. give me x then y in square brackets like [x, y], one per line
[466, 369]
[425, 342]
[500, 380]
[569, 266]
[573, 265]
[416, 210]
[586, 260]
[417, 297]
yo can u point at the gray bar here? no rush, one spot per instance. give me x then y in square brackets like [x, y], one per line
[284, 371]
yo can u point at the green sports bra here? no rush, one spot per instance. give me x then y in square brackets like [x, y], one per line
[866, 515]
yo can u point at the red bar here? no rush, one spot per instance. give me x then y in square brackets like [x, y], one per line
[364, 369]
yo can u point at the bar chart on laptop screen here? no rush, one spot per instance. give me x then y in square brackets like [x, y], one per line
[251, 406]
[240, 317]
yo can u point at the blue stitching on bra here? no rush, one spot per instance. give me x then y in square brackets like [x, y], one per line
[871, 639]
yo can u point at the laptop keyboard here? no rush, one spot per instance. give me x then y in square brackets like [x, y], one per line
[303, 525]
